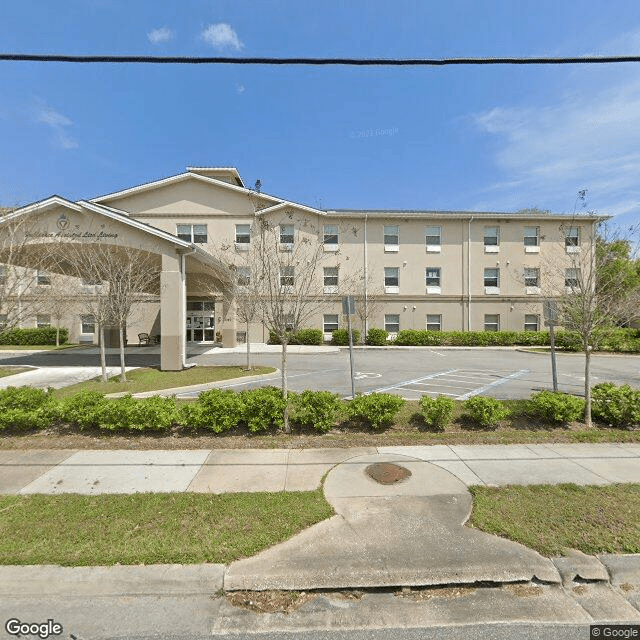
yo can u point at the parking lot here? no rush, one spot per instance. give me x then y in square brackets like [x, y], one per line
[408, 372]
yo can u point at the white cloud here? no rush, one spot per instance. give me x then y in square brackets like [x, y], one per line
[240, 88]
[222, 36]
[585, 139]
[57, 123]
[159, 36]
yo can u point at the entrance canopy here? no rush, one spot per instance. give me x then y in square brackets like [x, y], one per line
[71, 229]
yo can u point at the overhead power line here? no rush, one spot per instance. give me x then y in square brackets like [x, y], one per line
[357, 62]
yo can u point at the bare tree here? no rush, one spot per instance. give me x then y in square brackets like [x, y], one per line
[58, 295]
[114, 280]
[587, 290]
[21, 262]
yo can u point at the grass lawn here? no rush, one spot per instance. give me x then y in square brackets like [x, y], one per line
[11, 371]
[147, 379]
[151, 528]
[550, 519]
[36, 347]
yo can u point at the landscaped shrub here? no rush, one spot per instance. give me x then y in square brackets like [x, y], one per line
[437, 412]
[377, 337]
[378, 409]
[412, 337]
[154, 413]
[341, 337]
[27, 407]
[319, 409]
[215, 409]
[83, 408]
[568, 340]
[616, 406]
[485, 411]
[33, 336]
[309, 336]
[556, 406]
[263, 408]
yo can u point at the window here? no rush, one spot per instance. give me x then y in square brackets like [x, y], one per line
[3, 273]
[492, 277]
[391, 239]
[289, 324]
[331, 279]
[531, 277]
[286, 234]
[432, 277]
[329, 322]
[43, 278]
[3, 320]
[391, 279]
[531, 237]
[492, 322]
[392, 322]
[43, 320]
[531, 322]
[88, 324]
[572, 238]
[286, 277]
[571, 277]
[244, 276]
[433, 239]
[434, 322]
[243, 236]
[331, 237]
[192, 232]
[491, 239]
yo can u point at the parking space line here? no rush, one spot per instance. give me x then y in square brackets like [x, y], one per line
[406, 382]
[435, 384]
[495, 383]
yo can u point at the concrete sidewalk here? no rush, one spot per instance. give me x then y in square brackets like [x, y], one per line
[226, 470]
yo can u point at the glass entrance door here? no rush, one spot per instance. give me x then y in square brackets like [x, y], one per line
[201, 320]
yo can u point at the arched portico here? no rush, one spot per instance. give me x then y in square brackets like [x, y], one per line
[61, 227]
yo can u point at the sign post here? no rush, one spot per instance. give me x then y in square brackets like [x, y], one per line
[349, 308]
[550, 310]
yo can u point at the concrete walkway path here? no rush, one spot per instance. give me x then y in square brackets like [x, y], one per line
[231, 470]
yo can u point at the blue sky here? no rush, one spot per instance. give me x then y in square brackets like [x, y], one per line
[479, 138]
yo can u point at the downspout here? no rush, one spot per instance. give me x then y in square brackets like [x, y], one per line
[183, 280]
[366, 282]
[469, 275]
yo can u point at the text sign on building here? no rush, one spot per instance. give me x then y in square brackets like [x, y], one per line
[348, 305]
[550, 311]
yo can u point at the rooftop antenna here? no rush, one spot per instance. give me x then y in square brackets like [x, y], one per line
[258, 185]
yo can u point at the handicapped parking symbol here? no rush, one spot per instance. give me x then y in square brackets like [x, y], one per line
[359, 375]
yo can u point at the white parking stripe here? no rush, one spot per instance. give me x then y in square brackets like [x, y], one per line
[495, 383]
[406, 382]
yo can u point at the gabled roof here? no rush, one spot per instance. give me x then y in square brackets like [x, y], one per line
[149, 186]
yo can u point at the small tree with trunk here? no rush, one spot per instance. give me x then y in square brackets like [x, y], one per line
[58, 296]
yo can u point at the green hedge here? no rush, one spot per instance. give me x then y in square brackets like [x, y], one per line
[417, 338]
[304, 336]
[340, 337]
[34, 336]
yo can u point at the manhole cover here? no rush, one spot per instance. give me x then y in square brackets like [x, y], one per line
[387, 472]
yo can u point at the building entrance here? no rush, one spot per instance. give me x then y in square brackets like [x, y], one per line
[201, 321]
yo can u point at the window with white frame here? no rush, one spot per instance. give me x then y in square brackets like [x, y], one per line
[192, 232]
[391, 238]
[243, 236]
[492, 322]
[572, 239]
[571, 277]
[243, 275]
[88, 324]
[289, 323]
[392, 322]
[432, 277]
[286, 234]
[329, 322]
[492, 277]
[491, 239]
[433, 239]
[531, 322]
[43, 320]
[531, 277]
[434, 322]
[531, 237]
[3, 320]
[43, 278]
[331, 279]
[331, 237]
[287, 277]
[392, 279]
